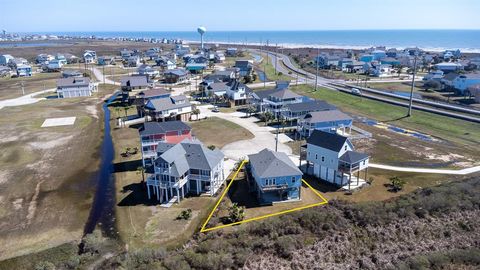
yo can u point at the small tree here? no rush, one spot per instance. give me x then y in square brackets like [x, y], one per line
[211, 147]
[185, 214]
[236, 213]
[196, 112]
[267, 116]
[141, 170]
[396, 183]
[250, 109]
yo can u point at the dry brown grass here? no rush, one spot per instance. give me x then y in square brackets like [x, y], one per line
[219, 132]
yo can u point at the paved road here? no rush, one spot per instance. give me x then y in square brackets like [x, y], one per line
[426, 170]
[285, 65]
[99, 75]
[24, 100]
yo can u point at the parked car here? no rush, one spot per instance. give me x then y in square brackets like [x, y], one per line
[215, 109]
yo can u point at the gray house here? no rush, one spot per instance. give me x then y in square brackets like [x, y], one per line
[245, 67]
[295, 111]
[275, 176]
[186, 167]
[75, 87]
[129, 83]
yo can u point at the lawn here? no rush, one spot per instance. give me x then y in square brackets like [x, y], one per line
[462, 132]
[219, 132]
[269, 69]
[12, 88]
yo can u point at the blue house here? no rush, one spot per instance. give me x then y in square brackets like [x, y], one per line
[275, 177]
[379, 54]
[24, 70]
[367, 58]
[390, 61]
[328, 121]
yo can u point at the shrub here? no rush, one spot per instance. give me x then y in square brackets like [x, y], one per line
[285, 246]
[236, 213]
[45, 265]
[185, 214]
[93, 242]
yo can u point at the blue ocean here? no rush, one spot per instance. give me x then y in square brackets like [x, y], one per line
[466, 40]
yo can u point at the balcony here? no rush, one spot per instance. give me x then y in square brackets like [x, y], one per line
[151, 142]
[199, 177]
[275, 187]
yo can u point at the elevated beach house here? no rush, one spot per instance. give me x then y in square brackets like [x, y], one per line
[75, 87]
[129, 83]
[335, 160]
[152, 133]
[296, 111]
[183, 168]
[329, 121]
[275, 100]
[275, 177]
[169, 108]
[177, 75]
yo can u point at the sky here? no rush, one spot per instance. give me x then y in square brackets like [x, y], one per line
[217, 15]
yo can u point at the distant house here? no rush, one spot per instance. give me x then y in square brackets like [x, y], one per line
[44, 58]
[219, 57]
[367, 58]
[221, 76]
[165, 63]
[463, 81]
[71, 59]
[5, 59]
[152, 53]
[24, 70]
[231, 52]
[152, 133]
[182, 49]
[245, 67]
[175, 75]
[329, 121]
[130, 83]
[436, 75]
[169, 108]
[378, 55]
[13, 63]
[327, 60]
[275, 177]
[61, 58]
[67, 73]
[275, 100]
[448, 79]
[218, 89]
[381, 71]
[390, 61]
[89, 56]
[296, 111]
[334, 159]
[356, 67]
[75, 87]
[106, 60]
[237, 93]
[133, 61]
[147, 71]
[55, 65]
[126, 53]
[186, 167]
[449, 66]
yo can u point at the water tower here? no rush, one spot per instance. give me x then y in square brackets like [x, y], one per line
[201, 30]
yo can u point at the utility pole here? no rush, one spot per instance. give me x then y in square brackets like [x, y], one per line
[276, 57]
[413, 85]
[316, 74]
[276, 137]
[265, 69]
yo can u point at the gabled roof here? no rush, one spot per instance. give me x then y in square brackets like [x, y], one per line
[187, 155]
[73, 82]
[218, 86]
[268, 163]
[327, 140]
[310, 106]
[450, 76]
[353, 157]
[284, 94]
[167, 103]
[179, 72]
[151, 128]
[134, 81]
[326, 116]
[155, 92]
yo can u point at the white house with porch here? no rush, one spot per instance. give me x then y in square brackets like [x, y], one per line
[183, 168]
[334, 160]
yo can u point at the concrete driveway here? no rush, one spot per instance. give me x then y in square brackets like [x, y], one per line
[264, 138]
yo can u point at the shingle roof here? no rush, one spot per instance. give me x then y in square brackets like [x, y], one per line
[218, 87]
[177, 71]
[273, 164]
[167, 103]
[312, 106]
[155, 92]
[327, 140]
[326, 116]
[150, 128]
[73, 81]
[284, 94]
[134, 81]
[353, 157]
[189, 155]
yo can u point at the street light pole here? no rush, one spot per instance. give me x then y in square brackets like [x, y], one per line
[276, 57]
[316, 74]
[413, 85]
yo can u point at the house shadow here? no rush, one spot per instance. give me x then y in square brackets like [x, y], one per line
[318, 184]
[239, 193]
[136, 126]
[127, 166]
[137, 195]
[395, 119]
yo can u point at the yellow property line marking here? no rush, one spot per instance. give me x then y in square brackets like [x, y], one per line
[324, 201]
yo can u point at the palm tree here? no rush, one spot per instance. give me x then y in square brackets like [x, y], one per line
[196, 112]
[396, 183]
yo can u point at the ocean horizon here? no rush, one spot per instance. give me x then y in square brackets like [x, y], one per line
[432, 40]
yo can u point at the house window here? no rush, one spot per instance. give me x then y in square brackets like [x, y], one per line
[293, 179]
[364, 162]
[323, 159]
[273, 182]
[316, 156]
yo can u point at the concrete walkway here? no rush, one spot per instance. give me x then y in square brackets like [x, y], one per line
[263, 136]
[426, 170]
[99, 75]
[25, 100]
